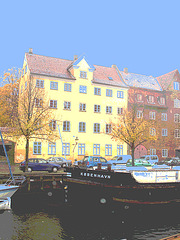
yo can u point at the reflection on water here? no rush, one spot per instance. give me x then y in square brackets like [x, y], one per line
[57, 223]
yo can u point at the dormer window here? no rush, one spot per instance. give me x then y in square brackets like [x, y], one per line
[83, 74]
[176, 85]
[110, 78]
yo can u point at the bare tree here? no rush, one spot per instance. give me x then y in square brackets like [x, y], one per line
[133, 130]
[31, 115]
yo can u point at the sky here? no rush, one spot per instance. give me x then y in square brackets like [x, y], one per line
[141, 35]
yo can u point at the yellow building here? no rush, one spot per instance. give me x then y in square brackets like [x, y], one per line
[85, 98]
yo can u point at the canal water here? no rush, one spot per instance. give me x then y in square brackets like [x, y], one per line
[57, 222]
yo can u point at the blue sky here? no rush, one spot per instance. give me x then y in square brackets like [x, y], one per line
[141, 35]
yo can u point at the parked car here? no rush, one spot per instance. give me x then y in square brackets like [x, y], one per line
[91, 161]
[174, 162]
[168, 161]
[121, 159]
[39, 164]
[60, 161]
[138, 163]
[152, 159]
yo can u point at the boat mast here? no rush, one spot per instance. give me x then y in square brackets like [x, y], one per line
[7, 157]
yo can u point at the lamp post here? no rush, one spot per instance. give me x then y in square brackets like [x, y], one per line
[75, 144]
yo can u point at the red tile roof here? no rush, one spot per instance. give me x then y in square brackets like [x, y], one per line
[166, 79]
[102, 74]
[57, 67]
[48, 66]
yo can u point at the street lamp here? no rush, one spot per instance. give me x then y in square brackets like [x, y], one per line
[76, 142]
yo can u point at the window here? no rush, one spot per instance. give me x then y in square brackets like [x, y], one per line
[52, 124]
[82, 89]
[139, 97]
[53, 104]
[108, 128]
[52, 148]
[96, 128]
[38, 102]
[120, 94]
[83, 74]
[150, 99]
[139, 114]
[176, 118]
[25, 85]
[81, 149]
[96, 149]
[66, 126]
[152, 151]
[176, 103]
[164, 132]
[39, 83]
[54, 85]
[97, 108]
[177, 133]
[82, 107]
[164, 152]
[37, 148]
[152, 115]
[108, 150]
[108, 109]
[119, 149]
[119, 111]
[67, 87]
[110, 78]
[66, 149]
[176, 85]
[108, 92]
[97, 91]
[162, 100]
[82, 127]
[67, 105]
[153, 131]
[164, 116]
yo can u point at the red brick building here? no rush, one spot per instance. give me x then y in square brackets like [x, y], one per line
[157, 99]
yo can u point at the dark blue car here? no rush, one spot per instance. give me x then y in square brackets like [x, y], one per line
[91, 162]
[39, 164]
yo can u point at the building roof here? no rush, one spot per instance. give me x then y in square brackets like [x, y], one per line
[166, 79]
[107, 75]
[56, 67]
[48, 66]
[141, 81]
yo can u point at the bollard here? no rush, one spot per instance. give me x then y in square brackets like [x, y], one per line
[99, 166]
[109, 167]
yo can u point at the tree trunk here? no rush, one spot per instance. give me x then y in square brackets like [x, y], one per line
[132, 150]
[27, 154]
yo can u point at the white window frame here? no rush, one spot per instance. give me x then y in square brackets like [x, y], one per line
[164, 152]
[152, 115]
[139, 114]
[164, 116]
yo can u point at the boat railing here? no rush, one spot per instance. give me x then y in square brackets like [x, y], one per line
[17, 180]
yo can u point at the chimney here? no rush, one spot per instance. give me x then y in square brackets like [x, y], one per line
[126, 70]
[75, 57]
[114, 66]
[30, 51]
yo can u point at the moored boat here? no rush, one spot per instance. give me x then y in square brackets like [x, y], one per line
[124, 186]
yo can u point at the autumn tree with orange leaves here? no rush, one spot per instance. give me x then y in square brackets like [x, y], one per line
[28, 114]
[132, 130]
